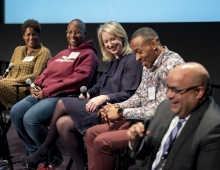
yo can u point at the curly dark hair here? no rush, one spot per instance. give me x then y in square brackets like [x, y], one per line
[31, 23]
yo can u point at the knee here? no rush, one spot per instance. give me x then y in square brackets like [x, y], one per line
[60, 124]
[60, 103]
[32, 119]
[27, 121]
[14, 114]
[18, 110]
[101, 143]
[64, 124]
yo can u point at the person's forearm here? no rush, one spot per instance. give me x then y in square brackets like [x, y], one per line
[11, 80]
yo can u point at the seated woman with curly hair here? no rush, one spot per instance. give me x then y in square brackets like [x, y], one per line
[28, 61]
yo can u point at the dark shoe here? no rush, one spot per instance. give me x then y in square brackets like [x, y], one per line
[56, 158]
[23, 164]
[41, 155]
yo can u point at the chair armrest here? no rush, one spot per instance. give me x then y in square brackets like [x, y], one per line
[134, 120]
[17, 86]
[21, 85]
[68, 94]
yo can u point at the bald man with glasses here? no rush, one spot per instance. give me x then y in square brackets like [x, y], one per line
[185, 132]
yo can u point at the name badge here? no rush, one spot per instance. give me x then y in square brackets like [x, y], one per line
[151, 93]
[73, 55]
[28, 58]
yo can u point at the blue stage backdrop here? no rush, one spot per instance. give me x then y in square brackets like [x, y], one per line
[123, 11]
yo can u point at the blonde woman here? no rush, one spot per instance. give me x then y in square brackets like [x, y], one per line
[73, 116]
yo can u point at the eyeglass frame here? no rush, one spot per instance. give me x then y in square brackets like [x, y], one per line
[180, 91]
[74, 32]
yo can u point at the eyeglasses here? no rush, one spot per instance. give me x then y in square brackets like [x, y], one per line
[74, 32]
[180, 91]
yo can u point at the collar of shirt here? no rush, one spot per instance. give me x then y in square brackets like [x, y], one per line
[158, 62]
[119, 58]
[34, 50]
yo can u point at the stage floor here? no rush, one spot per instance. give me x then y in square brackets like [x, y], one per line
[17, 149]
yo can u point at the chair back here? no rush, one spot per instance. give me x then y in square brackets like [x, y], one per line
[215, 93]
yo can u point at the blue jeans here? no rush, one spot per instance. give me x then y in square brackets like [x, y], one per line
[30, 118]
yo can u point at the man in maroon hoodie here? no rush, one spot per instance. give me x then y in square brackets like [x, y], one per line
[65, 73]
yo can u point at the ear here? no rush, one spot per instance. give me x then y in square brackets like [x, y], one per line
[200, 92]
[154, 44]
[85, 32]
[23, 36]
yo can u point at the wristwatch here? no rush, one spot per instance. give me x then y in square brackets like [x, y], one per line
[120, 111]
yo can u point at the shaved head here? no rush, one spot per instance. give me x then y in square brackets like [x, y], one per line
[187, 88]
[192, 74]
[81, 24]
[75, 33]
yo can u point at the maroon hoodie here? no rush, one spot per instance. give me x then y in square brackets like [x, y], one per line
[69, 70]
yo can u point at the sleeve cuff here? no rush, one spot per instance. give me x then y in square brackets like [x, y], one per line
[111, 97]
[120, 105]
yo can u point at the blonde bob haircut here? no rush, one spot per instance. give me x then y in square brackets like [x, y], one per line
[113, 27]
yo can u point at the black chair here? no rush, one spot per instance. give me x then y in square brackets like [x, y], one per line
[5, 123]
[4, 148]
[70, 163]
[17, 86]
[215, 93]
[122, 160]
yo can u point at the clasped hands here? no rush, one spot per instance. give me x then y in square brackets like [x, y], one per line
[37, 94]
[109, 113]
